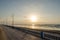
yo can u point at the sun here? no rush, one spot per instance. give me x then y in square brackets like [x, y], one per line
[33, 18]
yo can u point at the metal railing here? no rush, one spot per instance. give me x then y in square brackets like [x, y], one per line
[43, 35]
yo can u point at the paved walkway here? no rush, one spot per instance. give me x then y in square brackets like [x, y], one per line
[13, 34]
[2, 34]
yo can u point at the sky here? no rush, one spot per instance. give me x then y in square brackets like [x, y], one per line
[47, 11]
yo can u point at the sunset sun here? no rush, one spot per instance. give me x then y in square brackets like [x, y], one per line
[33, 18]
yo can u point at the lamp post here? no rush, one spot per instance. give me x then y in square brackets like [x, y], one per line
[6, 21]
[12, 19]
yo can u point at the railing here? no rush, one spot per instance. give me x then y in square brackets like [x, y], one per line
[43, 35]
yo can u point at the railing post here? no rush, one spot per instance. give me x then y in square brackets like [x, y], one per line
[42, 35]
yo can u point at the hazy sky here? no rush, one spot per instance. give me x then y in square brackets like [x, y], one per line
[47, 11]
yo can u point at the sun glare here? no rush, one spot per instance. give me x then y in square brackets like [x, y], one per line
[33, 18]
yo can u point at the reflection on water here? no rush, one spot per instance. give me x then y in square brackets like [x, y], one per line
[32, 26]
